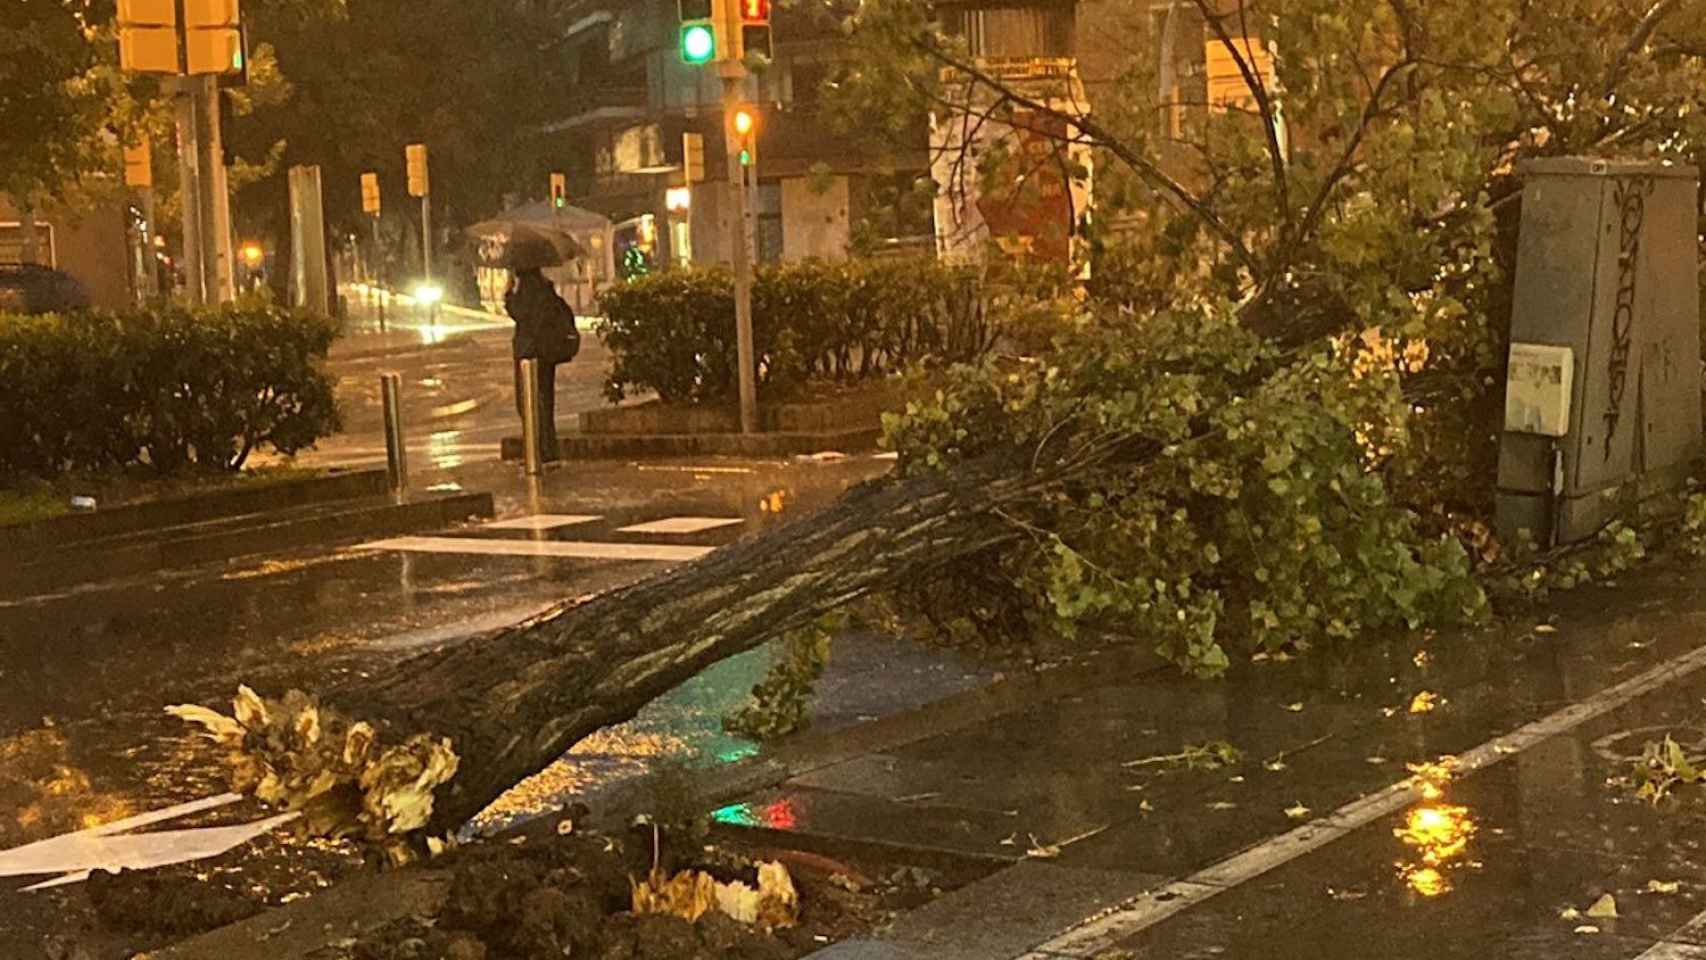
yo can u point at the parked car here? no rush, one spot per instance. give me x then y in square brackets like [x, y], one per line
[31, 288]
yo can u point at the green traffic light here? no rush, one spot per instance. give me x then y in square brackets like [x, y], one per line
[698, 43]
[746, 158]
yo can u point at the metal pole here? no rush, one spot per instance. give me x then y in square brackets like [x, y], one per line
[190, 188]
[376, 283]
[217, 260]
[396, 451]
[733, 73]
[532, 451]
[426, 236]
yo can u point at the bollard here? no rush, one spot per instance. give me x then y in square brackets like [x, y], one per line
[396, 452]
[532, 450]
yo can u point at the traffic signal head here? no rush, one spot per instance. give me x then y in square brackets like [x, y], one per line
[698, 43]
[743, 131]
[559, 191]
[698, 32]
[754, 26]
[419, 182]
[370, 194]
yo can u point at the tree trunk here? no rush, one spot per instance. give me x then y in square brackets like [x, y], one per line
[516, 700]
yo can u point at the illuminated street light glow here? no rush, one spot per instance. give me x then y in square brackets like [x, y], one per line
[429, 293]
[253, 254]
[743, 122]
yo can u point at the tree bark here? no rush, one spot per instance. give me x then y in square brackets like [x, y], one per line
[516, 700]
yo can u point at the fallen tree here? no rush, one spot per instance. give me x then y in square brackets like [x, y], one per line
[1154, 476]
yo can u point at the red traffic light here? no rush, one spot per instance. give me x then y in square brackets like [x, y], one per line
[755, 11]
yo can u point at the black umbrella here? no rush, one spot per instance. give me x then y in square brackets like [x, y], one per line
[513, 245]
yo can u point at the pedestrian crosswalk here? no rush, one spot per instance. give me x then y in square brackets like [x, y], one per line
[630, 542]
[681, 525]
[543, 521]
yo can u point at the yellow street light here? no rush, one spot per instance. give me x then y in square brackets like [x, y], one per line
[253, 254]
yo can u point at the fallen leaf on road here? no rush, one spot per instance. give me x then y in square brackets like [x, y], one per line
[1375, 760]
[1040, 851]
[1011, 841]
[1545, 628]
[1663, 886]
[1569, 913]
[1294, 707]
[1146, 807]
[1605, 908]
[1275, 765]
[1297, 812]
[1222, 805]
[1426, 702]
[1587, 928]
[565, 827]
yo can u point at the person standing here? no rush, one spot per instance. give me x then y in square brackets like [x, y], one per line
[545, 332]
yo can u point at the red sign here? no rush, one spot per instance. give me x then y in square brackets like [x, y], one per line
[1036, 214]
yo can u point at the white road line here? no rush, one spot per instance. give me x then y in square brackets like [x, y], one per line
[543, 521]
[1109, 929]
[683, 525]
[569, 549]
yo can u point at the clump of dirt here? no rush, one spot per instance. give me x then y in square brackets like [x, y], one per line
[551, 897]
[168, 902]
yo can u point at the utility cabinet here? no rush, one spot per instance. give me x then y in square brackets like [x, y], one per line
[1607, 270]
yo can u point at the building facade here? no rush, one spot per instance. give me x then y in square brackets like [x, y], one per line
[621, 141]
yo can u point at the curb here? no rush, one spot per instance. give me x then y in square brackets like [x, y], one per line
[372, 517]
[178, 511]
[618, 447]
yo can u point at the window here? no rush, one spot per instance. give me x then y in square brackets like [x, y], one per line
[768, 225]
[12, 244]
[1015, 31]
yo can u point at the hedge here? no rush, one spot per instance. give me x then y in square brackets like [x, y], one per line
[674, 332]
[170, 387]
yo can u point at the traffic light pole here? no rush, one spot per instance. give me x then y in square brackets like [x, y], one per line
[218, 262]
[190, 187]
[733, 74]
[426, 236]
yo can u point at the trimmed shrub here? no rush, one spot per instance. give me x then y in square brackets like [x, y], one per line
[674, 332]
[171, 387]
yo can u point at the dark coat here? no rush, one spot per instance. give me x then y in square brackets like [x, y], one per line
[544, 324]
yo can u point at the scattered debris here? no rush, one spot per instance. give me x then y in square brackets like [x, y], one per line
[1274, 766]
[1297, 812]
[1569, 913]
[1662, 767]
[1544, 629]
[1605, 908]
[1204, 756]
[1666, 887]
[1422, 658]
[1346, 896]
[565, 826]
[1587, 928]
[1295, 707]
[1041, 851]
[918, 797]
[1426, 702]
[1223, 805]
